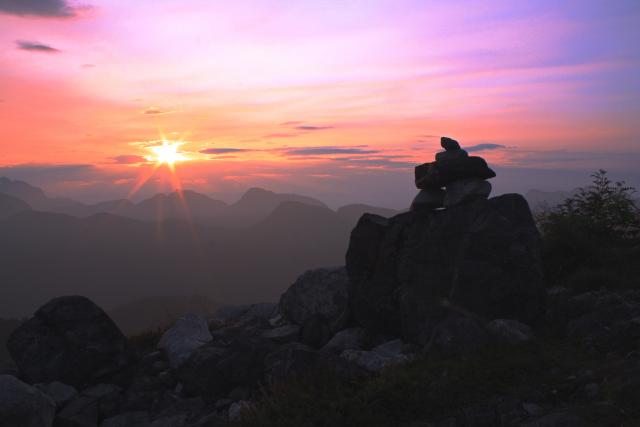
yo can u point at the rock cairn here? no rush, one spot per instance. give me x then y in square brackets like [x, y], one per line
[454, 178]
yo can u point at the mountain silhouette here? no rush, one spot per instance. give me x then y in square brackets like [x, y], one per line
[10, 205]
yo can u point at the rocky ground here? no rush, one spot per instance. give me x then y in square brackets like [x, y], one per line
[440, 318]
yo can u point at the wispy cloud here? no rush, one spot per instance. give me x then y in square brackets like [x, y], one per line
[128, 159]
[45, 8]
[311, 128]
[387, 162]
[224, 150]
[155, 111]
[35, 46]
[485, 147]
[281, 135]
[320, 151]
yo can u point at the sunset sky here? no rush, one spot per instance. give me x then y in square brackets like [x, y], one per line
[334, 99]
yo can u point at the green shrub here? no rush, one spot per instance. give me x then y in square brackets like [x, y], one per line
[592, 237]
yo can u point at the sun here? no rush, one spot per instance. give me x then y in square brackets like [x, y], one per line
[167, 153]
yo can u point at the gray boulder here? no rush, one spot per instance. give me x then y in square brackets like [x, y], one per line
[282, 334]
[393, 352]
[189, 333]
[24, 406]
[318, 292]
[71, 340]
[408, 273]
[355, 338]
[466, 190]
[509, 331]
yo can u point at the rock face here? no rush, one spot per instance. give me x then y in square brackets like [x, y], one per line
[23, 405]
[72, 340]
[318, 292]
[184, 337]
[410, 272]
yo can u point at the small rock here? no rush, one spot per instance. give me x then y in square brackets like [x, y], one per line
[451, 154]
[237, 408]
[23, 405]
[170, 421]
[560, 419]
[60, 393]
[189, 333]
[372, 361]
[282, 334]
[509, 331]
[354, 338]
[532, 409]
[223, 403]
[592, 390]
[391, 348]
[428, 199]
[466, 190]
[449, 143]
[83, 411]
[128, 419]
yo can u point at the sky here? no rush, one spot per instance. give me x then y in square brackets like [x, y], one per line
[333, 99]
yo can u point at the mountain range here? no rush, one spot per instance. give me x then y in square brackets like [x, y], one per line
[171, 244]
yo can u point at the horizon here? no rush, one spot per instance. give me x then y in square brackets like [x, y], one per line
[338, 103]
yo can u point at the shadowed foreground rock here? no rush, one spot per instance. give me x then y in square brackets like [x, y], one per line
[480, 259]
[72, 340]
[24, 406]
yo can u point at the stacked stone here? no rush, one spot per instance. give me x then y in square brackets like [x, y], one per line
[454, 178]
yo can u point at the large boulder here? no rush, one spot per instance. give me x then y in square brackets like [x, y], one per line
[189, 333]
[408, 273]
[23, 405]
[72, 340]
[318, 292]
